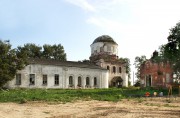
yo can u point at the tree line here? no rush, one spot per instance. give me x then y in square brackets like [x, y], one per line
[15, 59]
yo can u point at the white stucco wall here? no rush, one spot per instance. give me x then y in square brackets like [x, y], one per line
[110, 48]
[123, 73]
[64, 73]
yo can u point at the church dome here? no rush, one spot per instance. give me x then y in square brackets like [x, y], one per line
[104, 38]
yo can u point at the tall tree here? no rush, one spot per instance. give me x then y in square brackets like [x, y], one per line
[58, 52]
[171, 50]
[54, 52]
[31, 50]
[138, 62]
[126, 61]
[49, 51]
[10, 62]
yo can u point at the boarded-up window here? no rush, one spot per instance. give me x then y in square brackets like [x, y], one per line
[70, 80]
[18, 79]
[167, 77]
[87, 81]
[79, 81]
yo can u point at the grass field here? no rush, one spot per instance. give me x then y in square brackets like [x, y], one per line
[67, 95]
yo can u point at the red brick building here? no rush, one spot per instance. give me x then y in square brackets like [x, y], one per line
[154, 74]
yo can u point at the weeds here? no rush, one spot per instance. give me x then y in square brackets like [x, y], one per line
[140, 100]
[66, 95]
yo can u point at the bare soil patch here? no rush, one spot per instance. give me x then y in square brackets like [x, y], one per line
[127, 108]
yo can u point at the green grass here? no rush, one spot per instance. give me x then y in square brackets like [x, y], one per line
[67, 95]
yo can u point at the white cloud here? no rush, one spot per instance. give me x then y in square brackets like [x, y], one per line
[84, 4]
[104, 23]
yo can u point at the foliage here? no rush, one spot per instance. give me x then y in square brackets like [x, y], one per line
[171, 50]
[47, 51]
[127, 65]
[10, 62]
[138, 62]
[156, 57]
[69, 95]
[54, 52]
[31, 50]
[137, 83]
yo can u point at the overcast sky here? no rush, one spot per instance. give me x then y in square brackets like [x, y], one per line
[138, 26]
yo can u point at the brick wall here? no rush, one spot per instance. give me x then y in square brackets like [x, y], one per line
[159, 74]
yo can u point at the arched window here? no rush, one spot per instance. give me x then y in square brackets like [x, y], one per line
[108, 67]
[109, 48]
[95, 81]
[114, 69]
[119, 69]
[87, 80]
[79, 81]
[70, 80]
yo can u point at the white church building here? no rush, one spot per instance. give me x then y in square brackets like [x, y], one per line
[104, 70]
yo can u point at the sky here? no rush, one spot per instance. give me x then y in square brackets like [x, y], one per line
[138, 26]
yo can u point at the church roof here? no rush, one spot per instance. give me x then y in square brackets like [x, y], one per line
[104, 38]
[64, 63]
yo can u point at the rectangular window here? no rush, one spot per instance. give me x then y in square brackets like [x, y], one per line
[95, 81]
[119, 69]
[56, 79]
[44, 80]
[87, 80]
[167, 78]
[18, 79]
[32, 79]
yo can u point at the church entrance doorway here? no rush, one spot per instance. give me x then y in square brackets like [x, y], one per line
[117, 82]
[148, 80]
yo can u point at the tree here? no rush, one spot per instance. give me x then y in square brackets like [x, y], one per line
[31, 50]
[138, 62]
[49, 51]
[10, 62]
[54, 52]
[58, 52]
[126, 61]
[171, 50]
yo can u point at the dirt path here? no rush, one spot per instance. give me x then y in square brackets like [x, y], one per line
[137, 108]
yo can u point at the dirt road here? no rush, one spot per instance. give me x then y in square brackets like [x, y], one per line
[137, 108]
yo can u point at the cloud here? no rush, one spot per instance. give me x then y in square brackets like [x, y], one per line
[84, 4]
[106, 24]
